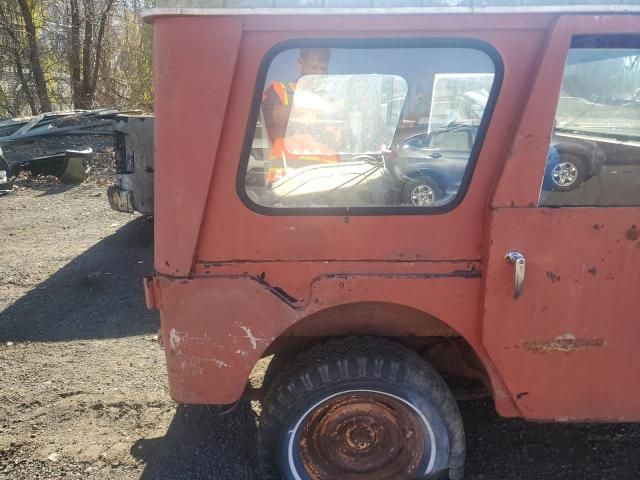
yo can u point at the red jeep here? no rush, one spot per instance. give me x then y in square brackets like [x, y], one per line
[288, 229]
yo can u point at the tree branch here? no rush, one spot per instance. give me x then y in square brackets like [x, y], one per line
[34, 56]
[99, 44]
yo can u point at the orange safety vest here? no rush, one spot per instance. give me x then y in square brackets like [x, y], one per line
[280, 157]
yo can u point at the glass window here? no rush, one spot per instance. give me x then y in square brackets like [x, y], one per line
[368, 127]
[594, 156]
[458, 140]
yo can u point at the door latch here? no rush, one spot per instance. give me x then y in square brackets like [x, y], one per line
[517, 260]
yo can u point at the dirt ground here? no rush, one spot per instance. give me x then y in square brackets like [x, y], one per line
[82, 378]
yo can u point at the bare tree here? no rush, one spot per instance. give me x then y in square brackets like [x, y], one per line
[15, 51]
[56, 54]
[17, 59]
[85, 56]
[34, 54]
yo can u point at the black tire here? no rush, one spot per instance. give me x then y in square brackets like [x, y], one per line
[278, 364]
[574, 162]
[382, 393]
[411, 192]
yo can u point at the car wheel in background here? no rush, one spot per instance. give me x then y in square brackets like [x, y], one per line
[568, 173]
[422, 191]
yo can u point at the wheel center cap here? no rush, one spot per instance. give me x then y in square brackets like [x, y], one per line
[361, 438]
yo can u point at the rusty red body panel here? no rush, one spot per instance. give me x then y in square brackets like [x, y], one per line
[230, 281]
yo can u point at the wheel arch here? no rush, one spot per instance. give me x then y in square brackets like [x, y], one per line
[432, 338]
[439, 177]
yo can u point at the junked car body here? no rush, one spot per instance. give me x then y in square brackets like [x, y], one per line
[71, 167]
[133, 152]
[6, 182]
[54, 143]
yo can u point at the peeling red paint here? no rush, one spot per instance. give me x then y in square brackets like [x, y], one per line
[632, 234]
[563, 344]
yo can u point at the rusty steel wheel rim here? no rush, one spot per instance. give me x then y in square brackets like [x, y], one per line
[365, 435]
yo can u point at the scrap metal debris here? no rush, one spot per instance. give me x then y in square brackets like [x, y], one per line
[55, 143]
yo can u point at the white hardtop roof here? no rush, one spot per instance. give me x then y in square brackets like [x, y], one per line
[401, 7]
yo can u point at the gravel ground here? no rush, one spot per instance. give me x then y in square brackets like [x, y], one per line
[83, 391]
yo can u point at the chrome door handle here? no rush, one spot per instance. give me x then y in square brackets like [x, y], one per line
[517, 260]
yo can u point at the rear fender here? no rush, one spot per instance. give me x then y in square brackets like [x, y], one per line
[215, 329]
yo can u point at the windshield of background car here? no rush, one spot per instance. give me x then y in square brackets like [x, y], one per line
[331, 123]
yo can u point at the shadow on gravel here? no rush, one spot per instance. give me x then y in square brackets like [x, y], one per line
[201, 445]
[499, 448]
[97, 295]
[48, 190]
[45, 187]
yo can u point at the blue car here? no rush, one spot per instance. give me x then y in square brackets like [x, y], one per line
[429, 166]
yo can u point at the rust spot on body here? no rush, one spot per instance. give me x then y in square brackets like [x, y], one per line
[553, 277]
[563, 344]
[632, 234]
[593, 271]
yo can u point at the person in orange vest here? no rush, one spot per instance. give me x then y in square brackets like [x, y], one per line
[276, 108]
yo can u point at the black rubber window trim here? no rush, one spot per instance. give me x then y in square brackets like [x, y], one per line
[606, 40]
[370, 43]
